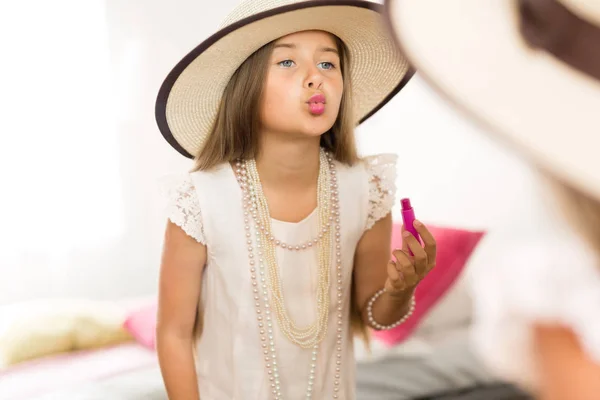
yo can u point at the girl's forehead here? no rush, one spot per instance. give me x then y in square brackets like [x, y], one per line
[308, 37]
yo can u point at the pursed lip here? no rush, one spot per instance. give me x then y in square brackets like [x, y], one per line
[317, 98]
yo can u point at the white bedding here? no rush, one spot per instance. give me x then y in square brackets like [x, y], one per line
[31, 379]
[131, 372]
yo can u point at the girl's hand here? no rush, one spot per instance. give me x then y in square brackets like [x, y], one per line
[405, 273]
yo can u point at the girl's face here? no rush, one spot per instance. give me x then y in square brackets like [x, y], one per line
[304, 85]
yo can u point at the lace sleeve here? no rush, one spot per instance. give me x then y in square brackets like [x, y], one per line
[381, 170]
[183, 208]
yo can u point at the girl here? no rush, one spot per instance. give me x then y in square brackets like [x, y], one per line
[529, 70]
[281, 234]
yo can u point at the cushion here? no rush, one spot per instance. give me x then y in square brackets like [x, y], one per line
[454, 247]
[141, 323]
[40, 328]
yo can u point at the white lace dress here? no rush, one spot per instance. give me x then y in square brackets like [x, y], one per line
[543, 277]
[230, 365]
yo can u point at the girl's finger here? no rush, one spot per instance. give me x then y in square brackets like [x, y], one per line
[430, 267]
[393, 272]
[406, 269]
[403, 260]
[429, 242]
[404, 243]
[419, 254]
[396, 279]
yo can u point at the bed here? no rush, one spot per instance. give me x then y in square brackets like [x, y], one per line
[69, 375]
[130, 372]
[432, 361]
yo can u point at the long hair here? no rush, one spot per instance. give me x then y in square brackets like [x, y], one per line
[234, 134]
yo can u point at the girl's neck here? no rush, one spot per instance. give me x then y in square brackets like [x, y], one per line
[291, 164]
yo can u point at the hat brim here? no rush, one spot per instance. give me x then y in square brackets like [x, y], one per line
[471, 52]
[188, 100]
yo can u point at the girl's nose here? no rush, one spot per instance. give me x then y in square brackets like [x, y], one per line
[314, 79]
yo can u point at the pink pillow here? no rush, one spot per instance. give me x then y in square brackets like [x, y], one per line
[142, 325]
[454, 247]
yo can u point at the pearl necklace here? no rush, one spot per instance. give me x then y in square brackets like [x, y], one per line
[256, 207]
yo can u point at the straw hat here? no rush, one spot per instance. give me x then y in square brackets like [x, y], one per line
[529, 70]
[188, 100]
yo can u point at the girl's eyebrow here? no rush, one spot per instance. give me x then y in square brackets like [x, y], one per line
[329, 50]
[323, 49]
[285, 45]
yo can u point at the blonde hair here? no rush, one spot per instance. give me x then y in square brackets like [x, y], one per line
[234, 134]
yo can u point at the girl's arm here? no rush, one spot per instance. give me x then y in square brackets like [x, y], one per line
[371, 272]
[181, 269]
[565, 371]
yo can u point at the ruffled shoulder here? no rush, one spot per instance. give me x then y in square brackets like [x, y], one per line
[381, 172]
[537, 279]
[183, 207]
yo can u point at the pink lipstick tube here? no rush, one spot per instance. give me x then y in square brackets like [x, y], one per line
[408, 218]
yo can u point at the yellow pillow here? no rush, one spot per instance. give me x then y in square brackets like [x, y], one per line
[42, 328]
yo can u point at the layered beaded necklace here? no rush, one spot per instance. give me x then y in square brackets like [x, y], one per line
[266, 280]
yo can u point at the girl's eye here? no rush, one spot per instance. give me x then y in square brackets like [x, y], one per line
[326, 65]
[286, 63]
